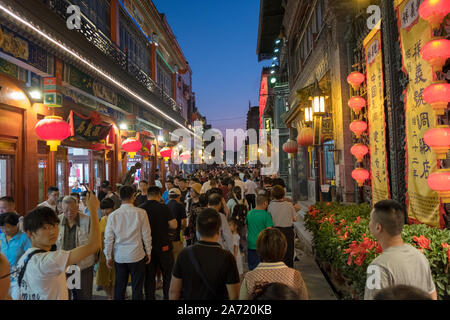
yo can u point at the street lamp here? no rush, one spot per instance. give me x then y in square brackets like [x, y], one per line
[318, 110]
[308, 115]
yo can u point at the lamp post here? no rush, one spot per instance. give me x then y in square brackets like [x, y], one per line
[318, 110]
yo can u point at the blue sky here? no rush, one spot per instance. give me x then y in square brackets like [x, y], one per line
[218, 39]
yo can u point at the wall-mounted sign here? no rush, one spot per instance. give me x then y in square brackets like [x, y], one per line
[89, 128]
[20, 48]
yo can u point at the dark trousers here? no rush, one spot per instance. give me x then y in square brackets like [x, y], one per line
[289, 256]
[253, 259]
[137, 271]
[86, 285]
[251, 199]
[163, 260]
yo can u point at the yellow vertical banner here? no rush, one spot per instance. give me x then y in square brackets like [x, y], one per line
[422, 202]
[376, 116]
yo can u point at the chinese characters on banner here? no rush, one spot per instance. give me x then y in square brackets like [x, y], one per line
[422, 202]
[377, 134]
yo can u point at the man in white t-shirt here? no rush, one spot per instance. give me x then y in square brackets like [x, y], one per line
[400, 263]
[250, 191]
[53, 195]
[44, 270]
[239, 183]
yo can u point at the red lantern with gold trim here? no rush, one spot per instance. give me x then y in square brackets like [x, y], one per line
[436, 52]
[53, 129]
[439, 181]
[355, 79]
[290, 146]
[357, 103]
[358, 127]
[305, 138]
[359, 150]
[438, 95]
[360, 175]
[131, 145]
[439, 140]
[434, 11]
[166, 153]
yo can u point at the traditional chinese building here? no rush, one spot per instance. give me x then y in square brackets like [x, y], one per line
[120, 73]
[368, 141]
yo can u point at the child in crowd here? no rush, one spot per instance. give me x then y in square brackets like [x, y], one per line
[236, 252]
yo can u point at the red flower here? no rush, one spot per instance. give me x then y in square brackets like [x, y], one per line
[423, 242]
[360, 260]
[367, 243]
[378, 248]
[357, 220]
[328, 204]
[345, 236]
[444, 246]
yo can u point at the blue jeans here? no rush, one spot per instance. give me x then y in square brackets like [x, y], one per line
[253, 259]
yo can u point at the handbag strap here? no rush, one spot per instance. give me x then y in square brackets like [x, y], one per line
[27, 259]
[198, 269]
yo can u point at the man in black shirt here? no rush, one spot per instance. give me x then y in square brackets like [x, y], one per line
[179, 213]
[204, 271]
[184, 189]
[161, 219]
[141, 198]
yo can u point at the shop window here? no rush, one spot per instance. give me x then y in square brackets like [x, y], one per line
[98, 12]
[79, 166]
[130, 42]
[164, 76]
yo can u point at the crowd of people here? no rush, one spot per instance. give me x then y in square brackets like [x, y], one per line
[223, 234]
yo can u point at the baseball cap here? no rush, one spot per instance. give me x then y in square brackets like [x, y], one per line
[174, 191]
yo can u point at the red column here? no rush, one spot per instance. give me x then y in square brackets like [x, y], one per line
[115, 34]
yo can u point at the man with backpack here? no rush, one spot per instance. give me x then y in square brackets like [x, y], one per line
[239, 208]
[204, 271]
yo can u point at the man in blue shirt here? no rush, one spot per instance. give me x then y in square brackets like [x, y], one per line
[76, 188]
[7, 204]
[13, 244]
[169, 185]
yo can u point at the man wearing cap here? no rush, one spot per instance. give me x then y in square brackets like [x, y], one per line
[179, 213]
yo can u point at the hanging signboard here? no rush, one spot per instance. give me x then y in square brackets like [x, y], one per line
[376, 116]
[89, 128]
[422, 202]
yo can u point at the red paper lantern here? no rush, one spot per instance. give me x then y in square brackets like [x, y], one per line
[357, 103]
[439, 140]
[53, 129]
[434, 11]
[166, 153]
[290, 146]
[131, 145]
[305, 138]
[436, 52]
[358, 127]
[438, 95]
[359, 151]
[439, 181]
[355, 79]
[360, 175]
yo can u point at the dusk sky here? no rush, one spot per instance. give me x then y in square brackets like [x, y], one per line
[219, 39]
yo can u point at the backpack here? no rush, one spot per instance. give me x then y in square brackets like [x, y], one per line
[239, 214]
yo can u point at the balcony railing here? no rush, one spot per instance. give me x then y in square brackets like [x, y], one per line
[110, 49]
